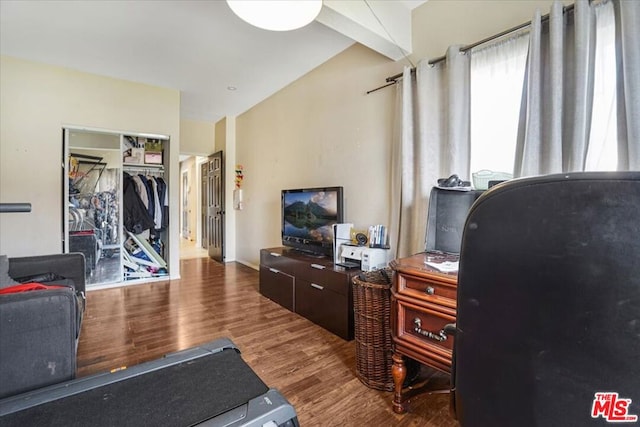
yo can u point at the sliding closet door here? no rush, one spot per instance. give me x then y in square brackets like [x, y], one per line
[92, 202]
[145, 207]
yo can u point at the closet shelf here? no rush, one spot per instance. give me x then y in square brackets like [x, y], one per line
[143, 169]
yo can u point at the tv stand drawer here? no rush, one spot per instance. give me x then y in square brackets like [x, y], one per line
[277, 286]
[324, 276]
[324, 307]
[275, 259]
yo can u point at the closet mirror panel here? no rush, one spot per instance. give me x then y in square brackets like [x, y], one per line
[94, 202]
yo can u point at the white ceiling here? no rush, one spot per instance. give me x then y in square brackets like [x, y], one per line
[198, 47]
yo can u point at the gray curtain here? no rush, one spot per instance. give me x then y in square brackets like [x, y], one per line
[557, 102]
[403, 134]
[627, 15]
[555, 115]
[431, 141]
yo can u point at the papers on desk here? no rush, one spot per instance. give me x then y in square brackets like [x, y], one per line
[445, 267]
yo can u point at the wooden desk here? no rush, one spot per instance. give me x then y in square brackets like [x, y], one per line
[423, 302]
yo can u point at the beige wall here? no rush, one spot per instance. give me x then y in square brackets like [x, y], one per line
[221, 134]
[36, 101]
[225, 136]
[230, 157]
[323, 129]
[196, 137]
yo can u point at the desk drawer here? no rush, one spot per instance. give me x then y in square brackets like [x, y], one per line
[425, 327]
[433, 291]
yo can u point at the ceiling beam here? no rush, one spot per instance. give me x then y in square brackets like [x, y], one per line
[384, 26]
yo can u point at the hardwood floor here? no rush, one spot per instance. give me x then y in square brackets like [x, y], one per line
[189, 249]
[312, 368]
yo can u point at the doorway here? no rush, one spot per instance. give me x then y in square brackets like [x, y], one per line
[189, 208]
[185, 205]
[202, 209]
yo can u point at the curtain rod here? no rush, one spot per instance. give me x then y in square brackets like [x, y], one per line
[393, 79]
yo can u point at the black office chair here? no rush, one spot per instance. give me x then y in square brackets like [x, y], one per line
[549, 303]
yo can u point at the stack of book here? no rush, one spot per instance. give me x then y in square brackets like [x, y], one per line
[378, 236]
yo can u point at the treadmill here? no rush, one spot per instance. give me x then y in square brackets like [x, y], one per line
[209, 385]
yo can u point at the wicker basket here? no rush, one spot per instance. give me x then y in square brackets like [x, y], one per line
[372, 307]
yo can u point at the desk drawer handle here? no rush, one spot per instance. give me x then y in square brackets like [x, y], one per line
[317, 286]
[274, 254]
[440, 336]
[273, 270]
[318, 266]
[430, 290]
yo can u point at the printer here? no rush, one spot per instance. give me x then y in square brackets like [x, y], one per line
[367, 258]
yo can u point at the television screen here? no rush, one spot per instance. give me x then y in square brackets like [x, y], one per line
[447, 214]
[307, 218]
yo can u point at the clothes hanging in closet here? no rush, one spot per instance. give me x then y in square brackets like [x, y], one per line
[141, 190]
[145, 203]
[164, 197]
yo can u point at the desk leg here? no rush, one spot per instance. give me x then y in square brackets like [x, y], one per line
[399, 373]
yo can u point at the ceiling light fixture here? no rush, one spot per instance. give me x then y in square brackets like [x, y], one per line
[276, 15]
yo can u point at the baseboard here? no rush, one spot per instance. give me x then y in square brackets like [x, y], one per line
[248, 264]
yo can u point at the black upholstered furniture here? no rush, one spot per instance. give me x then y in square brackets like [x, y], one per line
[548, 300]
[39, 329]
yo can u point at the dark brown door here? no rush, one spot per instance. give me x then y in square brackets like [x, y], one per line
[215, 207]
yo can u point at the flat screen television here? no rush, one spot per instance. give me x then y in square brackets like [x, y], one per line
[447, 213]
[308, 215]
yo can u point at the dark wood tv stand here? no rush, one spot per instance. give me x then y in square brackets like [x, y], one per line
[313, 287]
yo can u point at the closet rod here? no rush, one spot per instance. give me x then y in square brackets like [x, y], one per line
[140, 168]
[394, 79]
